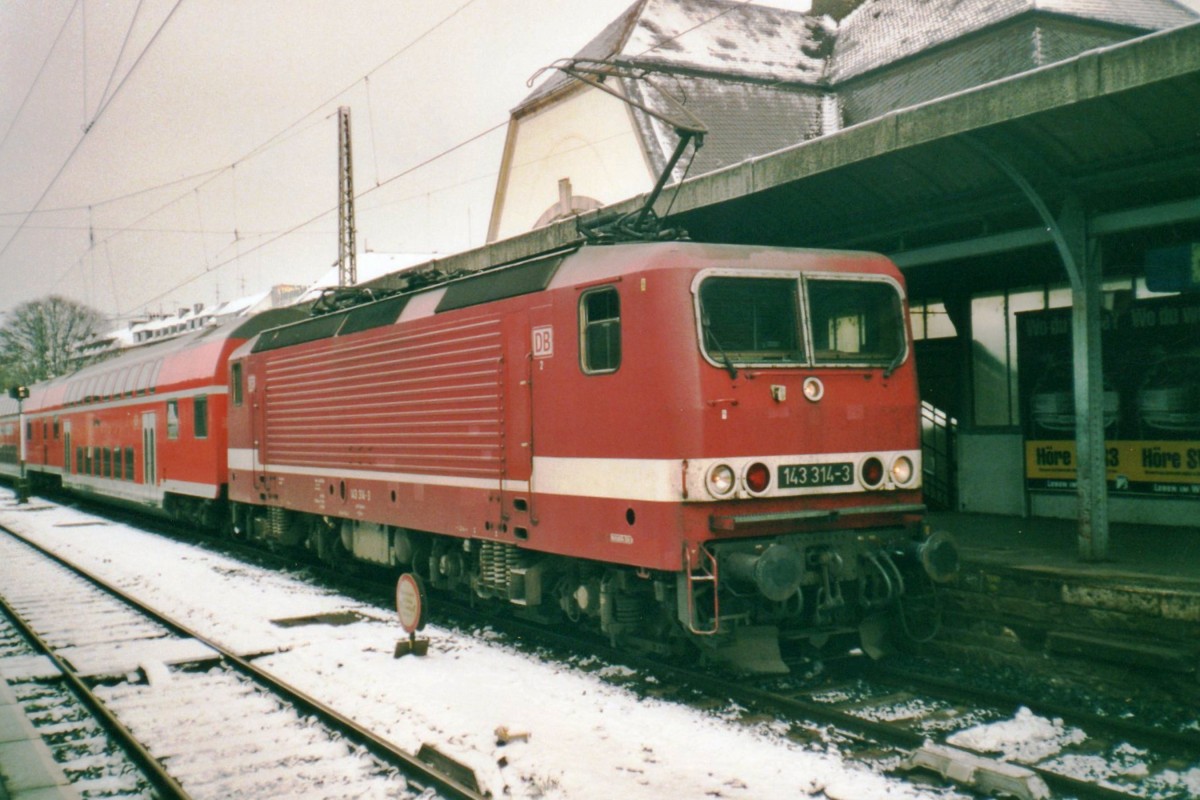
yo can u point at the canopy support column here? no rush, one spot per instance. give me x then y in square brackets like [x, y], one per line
[1081, 258]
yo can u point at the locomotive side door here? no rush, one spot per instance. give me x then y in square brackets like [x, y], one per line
[66, 447]
[517, 421]
[150, 448]
[257, 390]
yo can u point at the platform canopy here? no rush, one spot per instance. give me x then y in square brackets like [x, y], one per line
[1044, 165]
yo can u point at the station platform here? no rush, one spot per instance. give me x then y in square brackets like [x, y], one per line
[28, 771]
[1153, 553]
[1023, 579]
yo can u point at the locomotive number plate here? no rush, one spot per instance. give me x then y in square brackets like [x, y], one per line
[799, 476]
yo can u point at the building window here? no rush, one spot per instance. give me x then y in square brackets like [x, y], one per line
[200, 417]
[172, 419]
[600, 331]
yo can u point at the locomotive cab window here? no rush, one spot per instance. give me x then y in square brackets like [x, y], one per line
[783, 321]
[857, 322]
[750, 320]
[600, 330]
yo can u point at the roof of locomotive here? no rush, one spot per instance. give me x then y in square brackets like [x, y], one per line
[555, 270]
[153, 367]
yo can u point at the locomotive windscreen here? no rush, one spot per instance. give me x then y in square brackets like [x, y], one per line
[859, 322]
[758, 320]
[751, 319]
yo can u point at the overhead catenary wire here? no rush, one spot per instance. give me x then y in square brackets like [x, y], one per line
[78, 144]
[239, 237]
[266, 145]
[381, 183]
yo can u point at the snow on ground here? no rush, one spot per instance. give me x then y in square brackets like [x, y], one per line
[587, 738]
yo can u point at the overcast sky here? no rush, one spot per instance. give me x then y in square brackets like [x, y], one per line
[178, 155]
[160, 153]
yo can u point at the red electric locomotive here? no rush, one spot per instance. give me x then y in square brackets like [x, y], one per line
[670, 440]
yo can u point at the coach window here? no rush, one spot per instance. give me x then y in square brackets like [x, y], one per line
[235, 381]
[600, 330]
[107, 454]
[116, 457]
[172, 419]
[128, 463]
[78, 460]
[200, 417]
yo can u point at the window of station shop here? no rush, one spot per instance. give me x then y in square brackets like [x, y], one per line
[931, 321]
[994, 345]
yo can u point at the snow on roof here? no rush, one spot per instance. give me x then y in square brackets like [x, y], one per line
[369, 267]
[721, 37]
[241, 305]
[743, 120]
[880, 32]
[755, 75]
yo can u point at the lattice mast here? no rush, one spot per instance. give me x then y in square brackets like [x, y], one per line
[347, 263]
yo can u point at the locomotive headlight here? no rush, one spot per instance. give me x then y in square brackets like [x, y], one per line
[720, 480]
[902, 470]
[814, 390]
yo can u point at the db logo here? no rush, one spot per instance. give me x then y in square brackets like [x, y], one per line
[543, 342]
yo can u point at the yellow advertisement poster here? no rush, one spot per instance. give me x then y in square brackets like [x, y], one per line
[1161, 468]
[1150, 405]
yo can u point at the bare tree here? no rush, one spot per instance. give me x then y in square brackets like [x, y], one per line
[39, 339]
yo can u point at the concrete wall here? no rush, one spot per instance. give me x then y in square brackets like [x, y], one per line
[991, 473]
[991, 480]
[1145, 511]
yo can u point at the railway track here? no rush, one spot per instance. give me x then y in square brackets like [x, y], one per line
[985, 739]
[886, 718]
[194, 718]
[890, 718]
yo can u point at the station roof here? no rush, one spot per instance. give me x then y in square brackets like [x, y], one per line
[1119, 127]
[881, 32]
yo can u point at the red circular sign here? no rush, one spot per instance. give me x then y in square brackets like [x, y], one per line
[410, 602]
